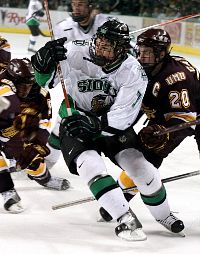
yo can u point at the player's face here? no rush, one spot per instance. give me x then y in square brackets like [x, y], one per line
[104, 48]
[80, 7]
[23, 90]
[146, 55]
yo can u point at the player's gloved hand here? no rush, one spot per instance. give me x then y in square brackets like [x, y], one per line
[32, 155]
[151, 142]
[46, 58]
[79, 126]
[28, 119]
[39, 13]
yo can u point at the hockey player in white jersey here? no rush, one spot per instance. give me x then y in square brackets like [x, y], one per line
[81, 25]
[105, 94]
[35, 12]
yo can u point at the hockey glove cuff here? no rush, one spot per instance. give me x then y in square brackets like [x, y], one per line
[33, 155]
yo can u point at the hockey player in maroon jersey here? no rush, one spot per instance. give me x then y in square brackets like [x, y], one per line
[171, 98]
[24, 131]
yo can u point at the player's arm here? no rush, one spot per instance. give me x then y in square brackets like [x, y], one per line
[180, 101]
[120, 115]
[46, 59]
[45, 110]
[127, 104]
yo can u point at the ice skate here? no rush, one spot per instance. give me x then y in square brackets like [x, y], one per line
[12, 202]
[173, 224]
[130, 228]
[104, 216]
[57, 183]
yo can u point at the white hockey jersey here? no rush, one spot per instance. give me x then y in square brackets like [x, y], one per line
[34, 6]
[124, 87]
[73, 31]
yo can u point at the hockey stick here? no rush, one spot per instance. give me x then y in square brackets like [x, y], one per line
[88, 199]
[58, 67]
[176, 127]
[164, 23]
[44, 35]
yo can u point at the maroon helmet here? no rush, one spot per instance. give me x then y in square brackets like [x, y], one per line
[156, 38]
[21, 73]
[5, 54]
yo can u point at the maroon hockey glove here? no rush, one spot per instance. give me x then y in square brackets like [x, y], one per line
[156, 144]
[32, 156]
[27, 120]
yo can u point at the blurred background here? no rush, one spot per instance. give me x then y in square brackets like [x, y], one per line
[138, 14]
[144, 8]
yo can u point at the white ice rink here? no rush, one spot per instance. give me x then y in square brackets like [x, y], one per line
[40, 230]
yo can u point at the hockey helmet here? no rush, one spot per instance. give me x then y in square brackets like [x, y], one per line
[5, 54]
[117, 33]
[156, 38]
[159, 41]
[21, 73]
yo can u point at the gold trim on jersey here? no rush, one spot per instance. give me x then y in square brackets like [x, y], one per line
[150, 113]
[186, 117]
[3, 164]
[9, 132]
[126, 181]
[41, 170]
[45, 124]
[6, 82]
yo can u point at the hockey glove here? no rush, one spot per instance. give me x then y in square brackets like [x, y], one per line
[32, 155]
[149, 141]
[39, 13]
[28, 119]
[47, 57]
[82, 127]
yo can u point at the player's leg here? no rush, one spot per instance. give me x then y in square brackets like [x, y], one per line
[10, 196]
[43, 177]
[152, 191]
[89, 165]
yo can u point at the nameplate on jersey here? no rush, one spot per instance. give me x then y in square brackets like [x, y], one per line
[81, 42]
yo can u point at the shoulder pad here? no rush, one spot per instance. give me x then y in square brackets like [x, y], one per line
[44, 92]
[61, 21]
[9, 83]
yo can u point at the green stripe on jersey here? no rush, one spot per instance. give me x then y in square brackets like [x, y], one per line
[33, 22]
[103, 185]
[156, 199]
